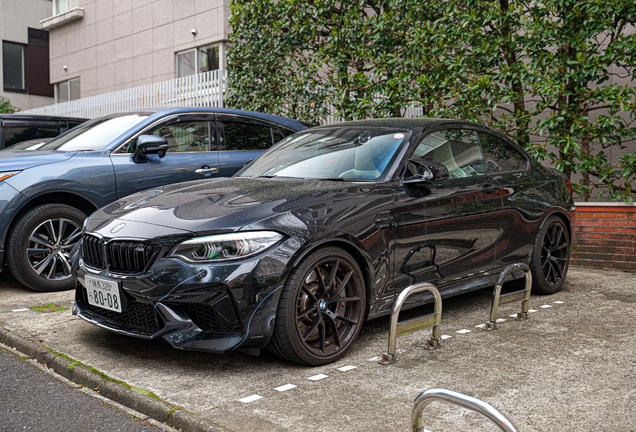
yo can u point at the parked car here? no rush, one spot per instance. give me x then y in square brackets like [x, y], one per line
[320, 233]
[46, 194]
[15, 128]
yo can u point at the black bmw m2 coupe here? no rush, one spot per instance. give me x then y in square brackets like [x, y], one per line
[319, 234]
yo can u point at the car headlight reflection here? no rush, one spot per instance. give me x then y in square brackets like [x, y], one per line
[225, 247]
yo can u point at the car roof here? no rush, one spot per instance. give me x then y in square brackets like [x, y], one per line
[283, 121]
[37, 117]
[404, 123]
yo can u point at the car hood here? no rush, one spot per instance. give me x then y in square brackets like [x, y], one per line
[24, 159]
[223, 205]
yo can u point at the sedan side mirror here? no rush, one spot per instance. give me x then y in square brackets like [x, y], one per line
[426, 171]
[149, 144]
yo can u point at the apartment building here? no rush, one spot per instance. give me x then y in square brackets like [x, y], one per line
[100, 46]
[24, 53]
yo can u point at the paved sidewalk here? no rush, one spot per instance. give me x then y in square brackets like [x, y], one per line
[572, 366]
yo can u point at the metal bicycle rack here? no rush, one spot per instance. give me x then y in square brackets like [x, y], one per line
[462, 400]
[432, 319]
[498, 298]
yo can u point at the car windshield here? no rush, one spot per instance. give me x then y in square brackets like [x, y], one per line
[337, 153]
[95, 134]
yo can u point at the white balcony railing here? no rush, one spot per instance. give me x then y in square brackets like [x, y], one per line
[202, 90]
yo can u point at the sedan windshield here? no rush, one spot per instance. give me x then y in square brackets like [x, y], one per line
[95, 134]
[332, 153]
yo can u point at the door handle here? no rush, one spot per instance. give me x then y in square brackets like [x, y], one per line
[207, 170]
[488, 189]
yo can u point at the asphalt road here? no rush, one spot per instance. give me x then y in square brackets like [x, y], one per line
[31, 400]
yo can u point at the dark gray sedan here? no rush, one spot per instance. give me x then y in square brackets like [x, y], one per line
[46, 194]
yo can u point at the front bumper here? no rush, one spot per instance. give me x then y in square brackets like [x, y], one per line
[207, 307]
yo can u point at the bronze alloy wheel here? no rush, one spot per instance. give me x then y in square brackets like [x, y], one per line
[321, 309]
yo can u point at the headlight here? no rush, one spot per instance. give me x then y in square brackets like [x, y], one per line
[6, 175]
[225, 247]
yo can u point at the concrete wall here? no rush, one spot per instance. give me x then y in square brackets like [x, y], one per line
[16, 16]
[120, 44]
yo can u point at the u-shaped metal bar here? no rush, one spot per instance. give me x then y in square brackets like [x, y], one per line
[498, 299]
[433, 319]
[462, 400]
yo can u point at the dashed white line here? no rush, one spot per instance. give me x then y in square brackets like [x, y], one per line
[558, 302]
[20, 310]
[442, 337]
[481, 326]
[545, 306]
[532, 311]
[318, 377]
[463, 331]
[285, 387]
[374, 359]
[251, 398]
[513, 316]
[501, 320]
[346, 368]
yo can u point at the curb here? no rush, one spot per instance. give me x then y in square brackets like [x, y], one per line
[156, 409]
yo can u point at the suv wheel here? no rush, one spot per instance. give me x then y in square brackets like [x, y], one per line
[40, 245]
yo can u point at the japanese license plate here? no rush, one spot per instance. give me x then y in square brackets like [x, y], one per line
[103, 293]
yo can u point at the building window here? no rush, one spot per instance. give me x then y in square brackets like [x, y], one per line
[61, 6]
[14, 66]
[68, 90]
[198, 60]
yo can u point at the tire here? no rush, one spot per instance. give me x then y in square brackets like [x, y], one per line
[39, 246]
[314, 326]
[550, 257]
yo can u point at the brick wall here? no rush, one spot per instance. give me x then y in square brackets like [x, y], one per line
[605, 236]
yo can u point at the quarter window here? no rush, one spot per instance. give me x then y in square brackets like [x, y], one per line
[458, 150]
[246, 136]
[17, 134]
[14, 66]
[501, 156]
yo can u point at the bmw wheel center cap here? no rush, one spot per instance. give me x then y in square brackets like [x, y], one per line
[322, 304]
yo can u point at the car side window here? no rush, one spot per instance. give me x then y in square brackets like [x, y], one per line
[501, 156]
[239, 135]
[16, 134]
[457, 149]
[184, 136]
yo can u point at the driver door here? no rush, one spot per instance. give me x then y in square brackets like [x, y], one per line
[191, 148]
[447, 229]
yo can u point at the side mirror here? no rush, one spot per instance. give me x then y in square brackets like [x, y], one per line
[149, 144]
[427, 171]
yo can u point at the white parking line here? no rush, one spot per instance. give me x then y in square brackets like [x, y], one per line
[462, 331]
[251, 398]
[501, 320]
[481, 326]
[285, 387]
[318, 377]
[513, 316]
[346, 368]
[532, 311]
[374, 359]
[545, 306]
[442, 337]
[558, 302]
[19, 310]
